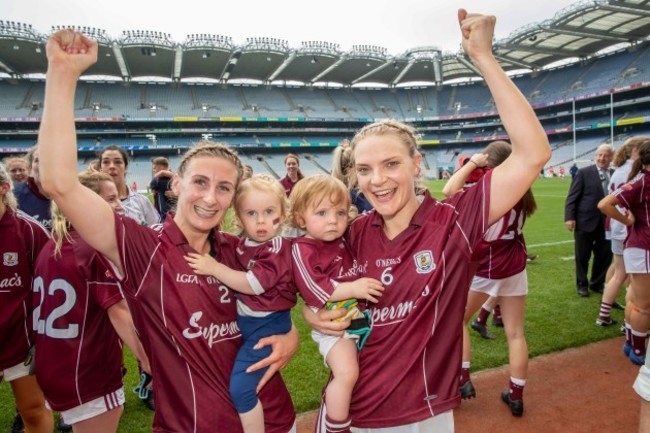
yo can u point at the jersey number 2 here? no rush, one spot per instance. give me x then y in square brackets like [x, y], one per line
[46, 326]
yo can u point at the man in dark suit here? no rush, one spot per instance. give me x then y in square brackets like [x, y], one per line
[582, 217]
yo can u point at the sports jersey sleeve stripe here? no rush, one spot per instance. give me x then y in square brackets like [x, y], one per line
[254, 282]
[26, 329]
[81, 345]
[153, 254]
[276, 245]
[496, 230]
[310, 284]
[105, 302]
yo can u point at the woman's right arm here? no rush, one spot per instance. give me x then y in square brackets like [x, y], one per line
[608, 207]
[69, 53]
[457, 181]
[122, 321]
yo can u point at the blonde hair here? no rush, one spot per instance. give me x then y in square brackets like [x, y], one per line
[264, 183]
[342, 163]
[60, 224]
[213, 150]
[11, 159]
[625, 152]
[9, 199]
[311, 191]
[406, 134]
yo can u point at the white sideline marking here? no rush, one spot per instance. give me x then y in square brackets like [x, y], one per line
[567, 258]
[549, 244]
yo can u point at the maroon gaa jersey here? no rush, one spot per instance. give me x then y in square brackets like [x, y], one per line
[189, 322]
[22, 239]
[268, 270]
[505, 256]
[319, 265]
[78, 353]
[409, 366]
[635, 196]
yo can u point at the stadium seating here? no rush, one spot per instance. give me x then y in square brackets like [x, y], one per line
[452, 118]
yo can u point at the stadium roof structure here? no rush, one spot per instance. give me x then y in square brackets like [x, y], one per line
[577, 32]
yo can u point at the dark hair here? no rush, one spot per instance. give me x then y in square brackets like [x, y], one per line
[498, 151]
[294, 156]
[643, 159]
[125, 156]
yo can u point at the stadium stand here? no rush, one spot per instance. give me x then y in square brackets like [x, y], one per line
[264, 121]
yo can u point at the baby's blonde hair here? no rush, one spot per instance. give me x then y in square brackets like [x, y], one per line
[311, 191]
[60, 224]
[264, 183]
[9, 199]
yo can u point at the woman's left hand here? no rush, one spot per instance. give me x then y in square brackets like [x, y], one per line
[284, 347]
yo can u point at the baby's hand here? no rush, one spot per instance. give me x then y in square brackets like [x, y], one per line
[202, 264]
[367, 288]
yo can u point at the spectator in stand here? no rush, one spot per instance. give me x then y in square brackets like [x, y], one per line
[188, 321]
[634, 197]
[623, 160]
[292, 164]
[79, 355]
[160, 185]
[22, 240]
[31, 197]
[421, 251]
[581, 216]
[18, 169]
[114, 161]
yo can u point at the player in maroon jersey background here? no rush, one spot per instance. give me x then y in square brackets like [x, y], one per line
[80, 315]
[188, 321]
[501, 274]
[421, 251]
[634, 197]
[294, 175]
[22, 239]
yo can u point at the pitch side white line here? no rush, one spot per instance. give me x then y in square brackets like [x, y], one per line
[549, 244]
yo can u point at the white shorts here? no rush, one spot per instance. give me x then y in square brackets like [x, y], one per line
[16, 372]
[94, 407]
[442, 423]
[642, 382]
[637, 261]
[326, 342]
[617, 246]
[515, 285]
